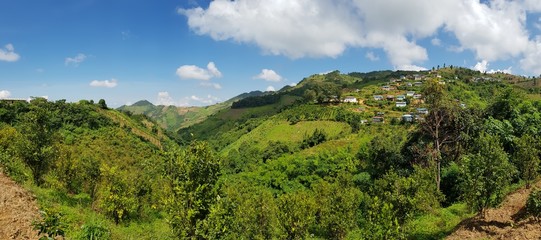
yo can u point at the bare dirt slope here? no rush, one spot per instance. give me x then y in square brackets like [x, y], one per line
[508, 221]
[18, 208]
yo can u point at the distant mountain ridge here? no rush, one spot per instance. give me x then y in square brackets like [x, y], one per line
[173, 118]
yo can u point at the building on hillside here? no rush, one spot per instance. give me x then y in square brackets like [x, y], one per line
[418, 84]
[401, 104]
[407, 118]
[390, 97]
[400, 98]
[410, 93]
[386, 88]
[350, 99]
[378, 97]
[422, 111]
[417, 96]
[378, 119]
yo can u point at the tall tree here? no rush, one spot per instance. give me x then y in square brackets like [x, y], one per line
[37, 149]
[193, 174]
[441, 125]
[485, 173]
[526, 158]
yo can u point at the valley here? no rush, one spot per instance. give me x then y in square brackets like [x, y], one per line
[378, 155]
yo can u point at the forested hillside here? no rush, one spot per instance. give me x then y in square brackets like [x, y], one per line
[172, 118]
[381, 155]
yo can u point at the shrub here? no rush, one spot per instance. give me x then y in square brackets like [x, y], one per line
[51, 225]
[94, 231]
[533, 204]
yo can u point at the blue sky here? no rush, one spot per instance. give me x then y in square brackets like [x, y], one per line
[191, 52]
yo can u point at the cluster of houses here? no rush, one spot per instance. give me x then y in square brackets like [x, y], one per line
[409, 117]
[400, 101]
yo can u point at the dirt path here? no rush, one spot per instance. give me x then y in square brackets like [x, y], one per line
[506, 222]
[18, 208]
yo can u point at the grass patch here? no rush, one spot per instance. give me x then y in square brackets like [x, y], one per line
[439, 224]
[77, 213]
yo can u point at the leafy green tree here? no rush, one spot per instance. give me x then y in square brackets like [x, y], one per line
[193, 174]
[317, 137]
[297, 213]
[102, 104]
[338, 208]
[380, 221]
[309, 95]
[116, 196]
[37, 150]
[383, 153]
[485, 173]
[409, 196]
[526, 158]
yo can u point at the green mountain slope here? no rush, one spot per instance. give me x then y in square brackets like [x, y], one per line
[172, 118]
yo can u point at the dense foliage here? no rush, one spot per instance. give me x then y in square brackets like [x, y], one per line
[299, 164]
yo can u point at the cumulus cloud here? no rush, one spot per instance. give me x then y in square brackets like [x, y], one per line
[270, 89]
[197, 73]
[8, 53]
[531, 61]
[436, 41]
[164, 99]
[209, 99]
[269, 75]
[104, 83]
[483, 66]
[372, 56]
[211, 85]
[75, 61]
[493, 30]
[4, 94]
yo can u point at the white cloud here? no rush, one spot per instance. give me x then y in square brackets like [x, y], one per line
[410, 68]
[270, 89]
[211, 85]
[75, 61]
[8, 53]
[532, 59]
[372, 56]
[165, 99]
[213, 70]
[435, 41]
[293, 84]
[5, 94]
[269, 75]
[493, 30]
[197, 73]
[104, 83]
[483, 66]
[205, 100]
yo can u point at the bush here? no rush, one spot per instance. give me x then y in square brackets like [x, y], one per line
[319, 136]
[533, 204]
[94, 231]
[14, 168]
[51, 225]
